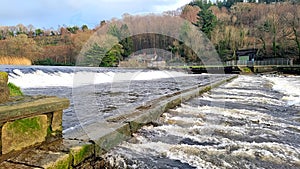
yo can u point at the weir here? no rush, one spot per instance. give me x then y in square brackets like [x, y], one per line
[32, 130]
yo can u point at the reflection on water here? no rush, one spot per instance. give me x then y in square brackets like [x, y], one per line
[247, 123]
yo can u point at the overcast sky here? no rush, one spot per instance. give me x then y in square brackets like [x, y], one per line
[51, 13]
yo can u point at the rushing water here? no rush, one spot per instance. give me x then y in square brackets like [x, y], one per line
[251, 122]
[98, 93]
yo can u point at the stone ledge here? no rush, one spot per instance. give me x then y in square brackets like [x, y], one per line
[23, 133]
[78, 150]
[43, 159]
[28, 106]
[58, 154]
[29, 121]
[11, 165]
[103, 134]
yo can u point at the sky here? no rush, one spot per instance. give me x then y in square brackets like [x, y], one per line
[55, 13]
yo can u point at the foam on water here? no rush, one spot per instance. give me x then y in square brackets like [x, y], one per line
[243, 99]
[244, 82]
[288, 85]
[230, 150]
[40, 79]
[237, 135]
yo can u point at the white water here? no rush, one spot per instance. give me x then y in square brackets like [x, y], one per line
[246, 123]
[40, 79]
[254, 125]
[288, 85]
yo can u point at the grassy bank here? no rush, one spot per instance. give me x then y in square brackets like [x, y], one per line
[13, 60]
[14, 90]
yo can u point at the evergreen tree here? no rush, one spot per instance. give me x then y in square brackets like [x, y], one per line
[124, 38]
[115, 31]
[126, 41]
[207, 21]
[109, 60]
[94, 56]
[113, 57]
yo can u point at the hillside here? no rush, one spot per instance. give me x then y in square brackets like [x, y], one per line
[273, 28]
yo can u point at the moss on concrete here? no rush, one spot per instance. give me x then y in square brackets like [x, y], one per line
[25, 125]
[3, 76]
[23, 133]
[206, 89]
[14, 90]
[245, 70]
[62, 163]
[49, 131]
[81, 153]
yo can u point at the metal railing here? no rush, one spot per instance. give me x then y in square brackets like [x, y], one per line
[276, 61]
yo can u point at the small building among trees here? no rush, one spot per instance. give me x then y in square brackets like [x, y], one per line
[247, 54]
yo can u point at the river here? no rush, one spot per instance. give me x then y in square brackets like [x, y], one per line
[99, 93]
[251, 122]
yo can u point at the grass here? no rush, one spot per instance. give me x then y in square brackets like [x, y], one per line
[246, 70]
[4, 76]
[14, 60]
[14, 90]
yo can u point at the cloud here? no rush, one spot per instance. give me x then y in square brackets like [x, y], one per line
[51, 13]
[171, 5]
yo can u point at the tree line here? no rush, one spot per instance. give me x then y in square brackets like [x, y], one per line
[271, 26]
[43, 46]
